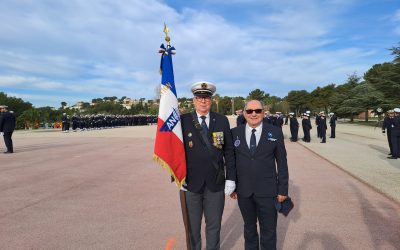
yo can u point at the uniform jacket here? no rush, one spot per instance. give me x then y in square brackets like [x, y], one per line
[387, 124]
[332, 121]
[7, 122]
[265, 173]
[200, 170]
[306, 124]
[322, 124]
[294, 124]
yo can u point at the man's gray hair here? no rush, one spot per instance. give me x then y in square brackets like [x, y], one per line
[261, 103]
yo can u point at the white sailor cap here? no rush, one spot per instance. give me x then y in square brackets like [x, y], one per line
[331, 113]
[390, 111]
[203, 88]
[397, 110]
[291, 113]
[308, 111]
[3, 106]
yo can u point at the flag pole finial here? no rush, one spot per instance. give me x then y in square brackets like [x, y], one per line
[166, 31]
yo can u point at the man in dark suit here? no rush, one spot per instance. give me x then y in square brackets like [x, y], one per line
[204, 191]
[7, 126]
[332, 123]
[262, 176]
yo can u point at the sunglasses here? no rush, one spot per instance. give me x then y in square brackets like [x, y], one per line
[250, 111]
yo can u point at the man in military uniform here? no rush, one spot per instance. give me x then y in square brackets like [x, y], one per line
[306, 124]
[294, 127]
[209, 150]
[323, 127]
[240, 119]
[7, 126]
[387, 126]
[332, 123]
[268, 118]
[395, 135]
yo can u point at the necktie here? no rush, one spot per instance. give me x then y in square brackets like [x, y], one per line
[204, 124]
[253, 141]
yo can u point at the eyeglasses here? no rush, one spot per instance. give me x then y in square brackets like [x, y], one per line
[250, 111]
[203, 98]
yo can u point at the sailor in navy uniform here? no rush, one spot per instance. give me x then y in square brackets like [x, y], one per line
[7, 126]
[387, 127]
[332, 123]
[294, 127]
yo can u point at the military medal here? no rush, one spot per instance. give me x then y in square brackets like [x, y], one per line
[190, 144]
[237, 142]
[218, 139]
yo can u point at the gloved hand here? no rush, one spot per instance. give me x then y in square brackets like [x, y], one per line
[230, 186]
[184, 186]
[1, 133]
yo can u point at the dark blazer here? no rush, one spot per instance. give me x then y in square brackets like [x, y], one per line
[200, 170]
[265, 173]
[7, 122]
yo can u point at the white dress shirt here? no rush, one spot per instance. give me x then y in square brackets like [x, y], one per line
[257, 133]
[207, 119]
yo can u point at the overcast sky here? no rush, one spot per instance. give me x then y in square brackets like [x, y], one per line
[77, 50]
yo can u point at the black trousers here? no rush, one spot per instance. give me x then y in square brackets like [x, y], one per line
[333, 131]
[389, 141]
[8, 141]
[255, 208]
[395, 140]
[307, 136]
[323, 134]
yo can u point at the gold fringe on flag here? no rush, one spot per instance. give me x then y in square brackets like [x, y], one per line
[168, 168]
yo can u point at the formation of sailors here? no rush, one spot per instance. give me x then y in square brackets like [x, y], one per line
[89, 122]
[391, 124]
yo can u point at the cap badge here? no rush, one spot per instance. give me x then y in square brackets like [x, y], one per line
[204, 85]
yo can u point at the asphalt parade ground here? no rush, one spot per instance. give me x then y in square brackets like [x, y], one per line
[102, 190]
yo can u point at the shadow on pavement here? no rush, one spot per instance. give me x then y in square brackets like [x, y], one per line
[384, 154]
[327, 240]
[383, 222]
[294, 215]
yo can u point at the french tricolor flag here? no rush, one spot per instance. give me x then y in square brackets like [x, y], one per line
[169, 149]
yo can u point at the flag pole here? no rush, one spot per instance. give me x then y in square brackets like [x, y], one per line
[182, 194]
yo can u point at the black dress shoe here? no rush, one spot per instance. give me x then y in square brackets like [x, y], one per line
[8, 152]
[392, 157]
[323, 142]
